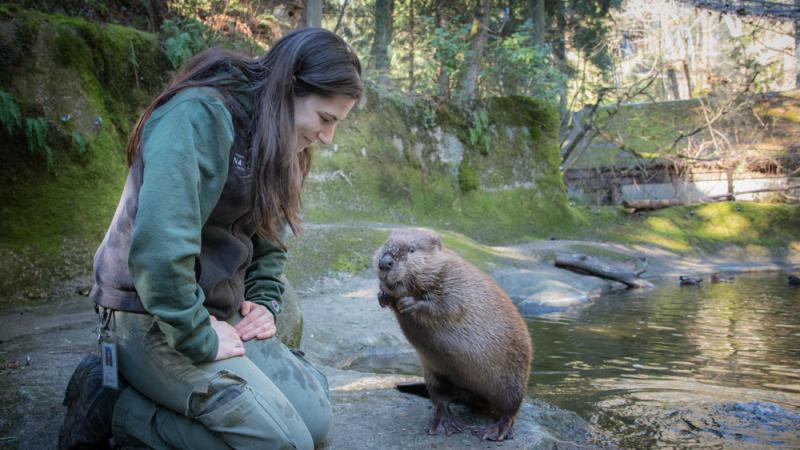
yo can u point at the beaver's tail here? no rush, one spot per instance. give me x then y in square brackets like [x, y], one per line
[415, 388]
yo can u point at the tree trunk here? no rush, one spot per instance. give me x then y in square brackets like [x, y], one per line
[797, 46]
[341, 16]
[584, 264]
[478, 38]
[411, 75]
[156, 9]
[313, 13]
[688, 76]
[443, 80]
[379, 54]
[673, 82]
[539, 17]
[560, 57]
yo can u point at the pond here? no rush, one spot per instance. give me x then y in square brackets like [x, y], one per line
[716, 365]
[712, 365]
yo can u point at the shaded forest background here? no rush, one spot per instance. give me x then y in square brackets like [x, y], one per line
[475, 111]
[578, 54]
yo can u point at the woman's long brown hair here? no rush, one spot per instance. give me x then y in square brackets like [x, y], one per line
[304, 62]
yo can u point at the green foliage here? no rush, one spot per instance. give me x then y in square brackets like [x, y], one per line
[521, 68]
[79, 142]
[450, 45]
[10, 116]
[477, 133]
[182, 38]
[36, 135]
[467, 178]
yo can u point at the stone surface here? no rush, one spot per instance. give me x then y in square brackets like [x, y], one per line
[370, 414]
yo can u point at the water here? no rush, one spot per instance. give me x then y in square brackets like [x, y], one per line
[711, 366]
[716, 365]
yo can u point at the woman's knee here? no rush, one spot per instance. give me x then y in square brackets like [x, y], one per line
[244, 418]
[319, 420]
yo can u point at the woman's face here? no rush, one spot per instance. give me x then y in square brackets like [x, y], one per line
[316, 117]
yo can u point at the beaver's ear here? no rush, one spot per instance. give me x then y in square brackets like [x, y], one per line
[436, 241]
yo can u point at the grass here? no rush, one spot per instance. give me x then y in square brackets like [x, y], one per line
[710, 228]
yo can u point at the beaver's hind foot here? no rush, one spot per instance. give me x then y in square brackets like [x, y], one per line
[498, 431]
[442, 419]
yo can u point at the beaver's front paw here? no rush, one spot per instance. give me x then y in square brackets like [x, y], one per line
[384, 299]
[407, 304]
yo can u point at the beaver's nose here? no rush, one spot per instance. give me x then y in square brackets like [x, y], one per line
[386, 262]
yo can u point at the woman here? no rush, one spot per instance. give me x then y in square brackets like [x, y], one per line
[189, 274]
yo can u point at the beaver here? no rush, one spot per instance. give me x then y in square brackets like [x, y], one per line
[471, 340]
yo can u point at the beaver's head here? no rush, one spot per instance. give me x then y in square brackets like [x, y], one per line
[405, 260]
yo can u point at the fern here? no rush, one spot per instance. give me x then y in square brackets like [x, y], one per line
[10, 115]
[79, 141]
[36, 134]
[478, 136]
[182, 39]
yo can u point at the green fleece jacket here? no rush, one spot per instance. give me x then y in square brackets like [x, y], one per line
[191, 250]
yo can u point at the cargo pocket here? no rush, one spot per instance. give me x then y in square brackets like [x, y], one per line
[312, 369]
[238, 415]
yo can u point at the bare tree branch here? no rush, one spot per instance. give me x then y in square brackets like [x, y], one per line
[766, 8]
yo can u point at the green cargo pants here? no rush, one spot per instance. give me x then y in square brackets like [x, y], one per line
[271, 398]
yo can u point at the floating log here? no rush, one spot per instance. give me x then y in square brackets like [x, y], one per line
[588, 265]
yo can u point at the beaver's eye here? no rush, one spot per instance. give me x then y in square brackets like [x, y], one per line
[411, 249]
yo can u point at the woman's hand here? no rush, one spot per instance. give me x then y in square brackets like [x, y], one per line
[230, 344]
[257, 322]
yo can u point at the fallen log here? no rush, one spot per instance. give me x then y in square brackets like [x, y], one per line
[588, 265]
[632, 206]
[647, 205]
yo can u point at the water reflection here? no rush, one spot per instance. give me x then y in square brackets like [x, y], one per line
[670, 367]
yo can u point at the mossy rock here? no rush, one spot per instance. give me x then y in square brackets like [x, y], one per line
[82, 79]
[397, 162]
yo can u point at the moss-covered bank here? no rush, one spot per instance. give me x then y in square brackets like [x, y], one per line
[397, 162]
[86, 83]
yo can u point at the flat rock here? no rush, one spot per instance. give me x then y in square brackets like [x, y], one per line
[370, 414]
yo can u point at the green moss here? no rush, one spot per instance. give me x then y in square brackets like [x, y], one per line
[99, 76]
[467, 178]
[78, 198]
[324, 251]
[483, 256]
[513, 193]
[603, 253]
[760, 227]
[539, 117]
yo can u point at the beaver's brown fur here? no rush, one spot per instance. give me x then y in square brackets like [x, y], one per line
[471, 340]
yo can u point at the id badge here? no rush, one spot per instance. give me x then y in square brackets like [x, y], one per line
[108, 355]
[108, 349]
